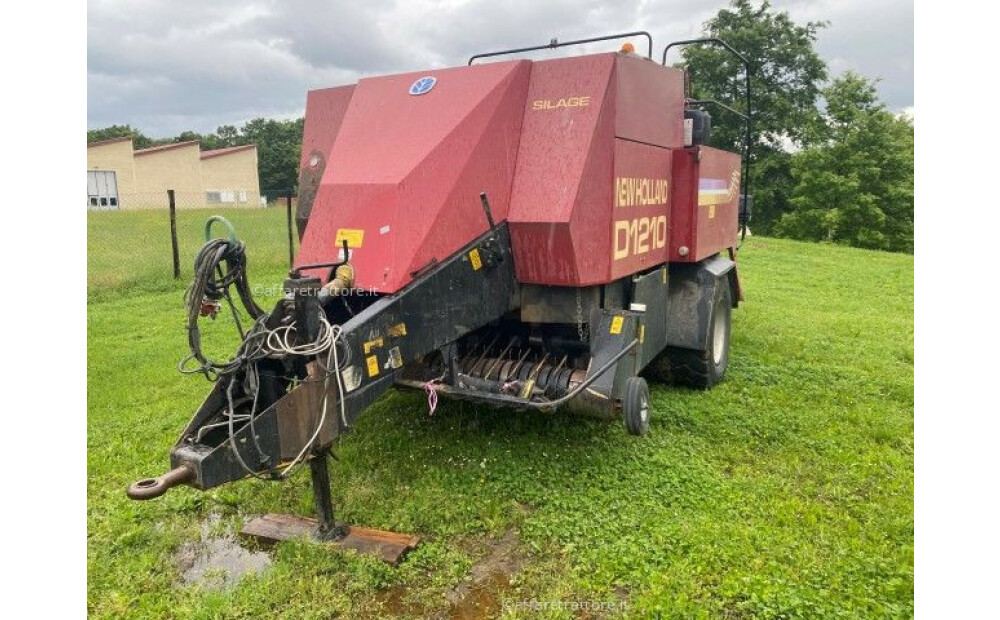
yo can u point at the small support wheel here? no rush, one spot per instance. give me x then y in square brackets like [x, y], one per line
[635, 406]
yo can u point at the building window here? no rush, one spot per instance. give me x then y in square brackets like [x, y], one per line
[224, 196]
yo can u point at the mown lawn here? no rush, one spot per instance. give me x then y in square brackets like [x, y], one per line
[129, 250]
[787, 491]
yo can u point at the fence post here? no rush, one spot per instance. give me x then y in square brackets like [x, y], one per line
[173, 233]
[291, 242]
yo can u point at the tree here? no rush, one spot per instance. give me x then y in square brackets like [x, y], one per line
[278, 146]
[188, 136]
[856, 186]
[223, 137]
[139, 140]
[786, 74]
[226, 135]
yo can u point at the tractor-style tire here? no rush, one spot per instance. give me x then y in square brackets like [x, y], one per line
[635, 406]
[702, 369]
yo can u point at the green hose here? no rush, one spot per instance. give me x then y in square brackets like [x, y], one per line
[218, 218]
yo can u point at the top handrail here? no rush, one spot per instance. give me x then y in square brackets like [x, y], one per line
[554, 43]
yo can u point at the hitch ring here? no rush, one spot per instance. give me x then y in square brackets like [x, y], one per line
[148, 488]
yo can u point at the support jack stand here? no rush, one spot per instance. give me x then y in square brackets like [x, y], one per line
[271, 528]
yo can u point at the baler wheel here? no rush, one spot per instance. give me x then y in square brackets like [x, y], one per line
[635, 406]
[703, 368]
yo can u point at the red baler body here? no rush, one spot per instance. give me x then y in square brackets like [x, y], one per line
[584, 157]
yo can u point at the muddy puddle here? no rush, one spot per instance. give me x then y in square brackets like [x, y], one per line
[217, 561]
[483, 598]
[480, 595]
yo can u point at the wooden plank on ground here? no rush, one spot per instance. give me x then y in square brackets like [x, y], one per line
[389, 546]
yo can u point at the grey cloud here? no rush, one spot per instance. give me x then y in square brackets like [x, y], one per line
[332, 33]
[165, 66]
[453, 34]
[874, 39]
[877, 44]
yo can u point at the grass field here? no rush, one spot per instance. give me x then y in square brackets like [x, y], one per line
[130, 250]
[785, 492]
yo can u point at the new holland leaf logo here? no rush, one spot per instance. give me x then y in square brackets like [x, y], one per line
[423, 85]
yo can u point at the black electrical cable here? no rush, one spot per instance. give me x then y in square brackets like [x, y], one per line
[219, 265]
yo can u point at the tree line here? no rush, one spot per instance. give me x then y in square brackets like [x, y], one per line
[830, 161]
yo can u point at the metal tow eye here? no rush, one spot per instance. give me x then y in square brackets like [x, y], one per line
[148, 488]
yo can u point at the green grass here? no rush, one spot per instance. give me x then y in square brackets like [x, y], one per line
[787, 491]
[129, 251]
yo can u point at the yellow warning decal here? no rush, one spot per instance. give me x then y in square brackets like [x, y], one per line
[477, 262]
[664, 272]
[642, 334]
[352, 236]
[616, 324]
[397, 331]
[372, 344]
[372, 362]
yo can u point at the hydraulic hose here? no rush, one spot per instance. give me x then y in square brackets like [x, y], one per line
[219, 265]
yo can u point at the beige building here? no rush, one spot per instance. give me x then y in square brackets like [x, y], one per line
[110, 173]
[119, 177]
[230, 175]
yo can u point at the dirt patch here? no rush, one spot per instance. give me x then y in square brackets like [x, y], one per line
[392, 601]
[479, 595]
[217, 560]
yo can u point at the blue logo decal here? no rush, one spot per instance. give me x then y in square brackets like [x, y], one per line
[423, 85]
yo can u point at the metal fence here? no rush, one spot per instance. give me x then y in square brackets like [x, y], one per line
[186, 199]
[150, 239]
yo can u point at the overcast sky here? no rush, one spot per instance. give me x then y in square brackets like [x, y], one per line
[164, 66]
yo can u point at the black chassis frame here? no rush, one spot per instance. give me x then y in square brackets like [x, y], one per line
[447, 301]
[464, 296]
[669, 305]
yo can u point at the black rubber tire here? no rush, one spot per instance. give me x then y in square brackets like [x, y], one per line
[659, 369]
[635, 406]
[700, 369]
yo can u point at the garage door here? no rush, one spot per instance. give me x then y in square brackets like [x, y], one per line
[102, 190]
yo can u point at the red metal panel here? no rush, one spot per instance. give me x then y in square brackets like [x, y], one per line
[560, 202]
[404, 171]
[591, 217]
[563, 219]
[325, 110]
[403, 179]
[684, 203]
[488, 165]
[705, 203]
[641, 212]
[718, 201]
[650, 102]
